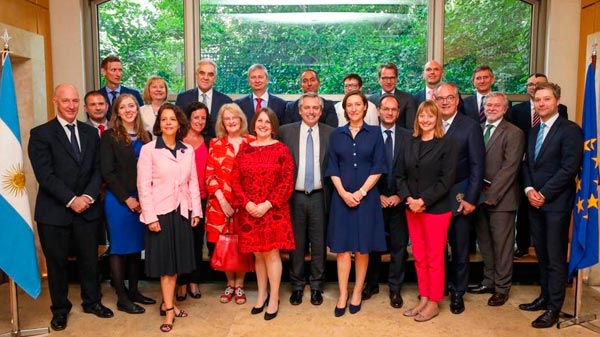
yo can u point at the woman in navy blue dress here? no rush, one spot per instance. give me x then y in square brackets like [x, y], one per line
[119, 148]
[356, 161]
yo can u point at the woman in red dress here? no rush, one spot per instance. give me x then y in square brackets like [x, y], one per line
[263, 182]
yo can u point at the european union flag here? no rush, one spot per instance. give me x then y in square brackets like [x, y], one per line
[584, 244]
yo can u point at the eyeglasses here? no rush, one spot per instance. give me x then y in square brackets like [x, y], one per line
[389, 109]
[390, 78]
[445, 99]
[351, 86]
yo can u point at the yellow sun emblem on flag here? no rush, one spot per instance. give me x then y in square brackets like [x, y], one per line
[13, 180]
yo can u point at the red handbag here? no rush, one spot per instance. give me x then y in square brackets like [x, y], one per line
[227, 256]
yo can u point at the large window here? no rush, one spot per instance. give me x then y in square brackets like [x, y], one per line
[334, 37]
[492, 32]
[147, 35]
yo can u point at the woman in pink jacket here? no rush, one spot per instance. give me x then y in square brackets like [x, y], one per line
[170, 200]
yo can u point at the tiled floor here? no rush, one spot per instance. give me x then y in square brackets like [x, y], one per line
[210, 318]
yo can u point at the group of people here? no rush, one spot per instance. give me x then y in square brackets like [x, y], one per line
[360, 177]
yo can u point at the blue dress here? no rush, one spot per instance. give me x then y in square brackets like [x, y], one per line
[361, 228]
[126, 232]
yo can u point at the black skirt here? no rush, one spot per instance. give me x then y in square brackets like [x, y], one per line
[170, 251]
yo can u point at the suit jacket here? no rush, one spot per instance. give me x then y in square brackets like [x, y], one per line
[470, 107]
[165, 182]
[61, 176]
[248, 106]
[468, 137]
[520, 115]
[503, 156]
[387, 183]
[329, 116]
[289, 134]
[407, 107]
[218, 100]
[118, 166]
[553, 172]
[124, 90]
[427, 174]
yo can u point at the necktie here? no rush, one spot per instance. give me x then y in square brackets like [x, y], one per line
[74, 143]
[389, 152]
[114, 96]
[482, 111]
[309, 174]
[102, 128]
[487, 133]
[446, 127]
[539, 140]
[431, 97]
[204, 99]
[258, 104]
[536, 119]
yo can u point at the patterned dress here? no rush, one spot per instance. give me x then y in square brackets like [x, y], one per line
[264, 173]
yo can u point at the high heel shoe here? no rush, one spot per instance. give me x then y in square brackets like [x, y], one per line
[353, 309]
[194, 295]
[338, 312]
[269, 316]
[162, 312]
[180, 297]
[167, 327]
[256, 311]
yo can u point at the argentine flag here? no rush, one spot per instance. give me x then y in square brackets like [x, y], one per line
[17, 249]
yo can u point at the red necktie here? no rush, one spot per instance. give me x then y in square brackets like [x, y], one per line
[536, 119]
[258, 104]
[102, 128]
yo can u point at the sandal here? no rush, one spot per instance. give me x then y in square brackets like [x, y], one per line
[166, 327]
[240, 295]
[227, 294]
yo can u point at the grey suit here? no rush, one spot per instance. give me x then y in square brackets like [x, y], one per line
[309, 212]
[500, 200]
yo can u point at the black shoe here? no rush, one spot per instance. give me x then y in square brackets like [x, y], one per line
[139, 298]
[269, 316]
[181, 297]
[58, 322]
[130, 307]
[497, 299]
[480, 289]
[99, 310]
[537, 305]
[296, 297]
[457, 305]
[256, 311]
[396, 299]
[316, 297]
[353, 309]
[546, 320]
[194, 295]
[369, 290]
[519, 253]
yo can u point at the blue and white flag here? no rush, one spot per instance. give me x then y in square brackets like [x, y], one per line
[18, 256]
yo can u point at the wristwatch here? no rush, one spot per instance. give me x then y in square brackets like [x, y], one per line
[363, 192]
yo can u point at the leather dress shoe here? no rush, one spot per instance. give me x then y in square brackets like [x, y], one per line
[316, 297]
[369, 290]
[99, 310]
[480, 289]
[296, 297]
[139, 298]
[457, 305]
[519, 253]
[396, 299]
[546, 320]
[58, 322]
[497, 299]
[537, 305]
[130, 307]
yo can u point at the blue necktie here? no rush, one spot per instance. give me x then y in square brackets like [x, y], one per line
[539, 141]
[309, 174]
[74, 143]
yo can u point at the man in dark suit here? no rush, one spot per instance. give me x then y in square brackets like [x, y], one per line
[112, 70]
[258, 78]
[394, 215]
[309, 81]
[552, 160]
[495, 218]
[206, 75]
[482, 79]
[524, 116]
[308, 141]
[433, 72]
[65, 157]
[466, 133]
[96, 107]
[388, 78]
